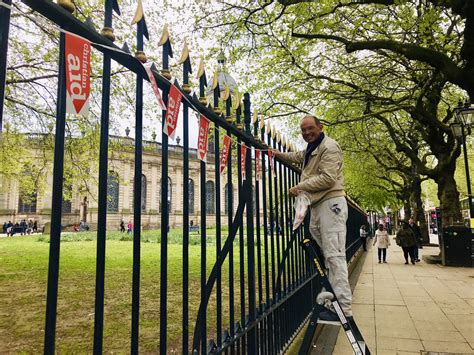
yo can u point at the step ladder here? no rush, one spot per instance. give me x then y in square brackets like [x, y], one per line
[325, 298]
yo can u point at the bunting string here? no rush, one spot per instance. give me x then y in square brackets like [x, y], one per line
[148, 70]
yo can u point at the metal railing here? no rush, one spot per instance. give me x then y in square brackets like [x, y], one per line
[267, 295]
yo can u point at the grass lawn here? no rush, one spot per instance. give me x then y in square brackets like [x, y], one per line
[23, 280]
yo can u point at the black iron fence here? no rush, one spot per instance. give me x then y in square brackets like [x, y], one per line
[261, 285]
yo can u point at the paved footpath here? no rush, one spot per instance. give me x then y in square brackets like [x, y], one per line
[412, 309]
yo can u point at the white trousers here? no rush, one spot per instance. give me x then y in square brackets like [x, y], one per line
[328, 228]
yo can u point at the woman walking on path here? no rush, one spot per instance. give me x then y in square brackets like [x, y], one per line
[383, 242]
[406, 239]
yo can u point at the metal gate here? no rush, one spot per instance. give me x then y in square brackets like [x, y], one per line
[276, 285]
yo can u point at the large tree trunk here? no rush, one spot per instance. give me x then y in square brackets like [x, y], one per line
[448, 196]
[418, 212]
[406, 208]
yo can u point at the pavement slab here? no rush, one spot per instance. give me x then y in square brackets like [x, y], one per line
[412, 309]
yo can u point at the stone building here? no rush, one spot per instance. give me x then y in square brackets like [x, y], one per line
[84, 205]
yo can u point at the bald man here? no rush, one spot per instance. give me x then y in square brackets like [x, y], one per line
[322, 179]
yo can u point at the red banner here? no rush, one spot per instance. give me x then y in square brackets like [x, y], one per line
[258, 165]
[154, 85]
[78, 86]
[225, 152]
[270, 157]
[243, 155]
[171, 120]
[203, 138]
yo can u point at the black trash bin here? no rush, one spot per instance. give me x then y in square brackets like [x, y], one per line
[456, 246]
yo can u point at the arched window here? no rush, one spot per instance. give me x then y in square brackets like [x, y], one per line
[210, 197]
[67, 196]
[169, 195]
[27, 203]
[226, 198]
[112, 192]
[143, 204]
[191, 195]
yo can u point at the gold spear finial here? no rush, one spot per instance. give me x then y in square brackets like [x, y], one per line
[273, 132]
[278, 137]
[138, 13]
[215, 80]
[262, 122]
[184, 53]
[268, 129]
[254, 117]
[226, 93]
[165, 35]
[200, 71]
[236, 100]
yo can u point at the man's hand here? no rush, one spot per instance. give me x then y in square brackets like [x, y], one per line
[276, 153]
[294, 191]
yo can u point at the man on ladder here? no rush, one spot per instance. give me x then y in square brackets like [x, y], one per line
[322, 179]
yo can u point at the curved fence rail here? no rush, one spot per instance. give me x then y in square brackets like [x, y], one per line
[259, 292]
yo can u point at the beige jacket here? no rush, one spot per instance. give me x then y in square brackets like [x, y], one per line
[322, 177]
[382, 240]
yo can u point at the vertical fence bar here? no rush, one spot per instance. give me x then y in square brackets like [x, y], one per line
[164, 212]
[102, 199]
[277, 317]
[257, 225]
[5, 14]
[137, 198]
[230, 212]
[251, 344]
[238, 113]
[58, 175]
[282, 220]
[185, 323]
[203, 235]
[266, 237]
[272, 250]
[277, 217]
[259, 243]
[218, 219]
[288, 226]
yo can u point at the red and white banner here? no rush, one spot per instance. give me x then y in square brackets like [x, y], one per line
[225, 152]
[154, 85]
[243, 156]
[270, 157]
[258, 165]
[171, 120]
[78, 86]
[203, 138]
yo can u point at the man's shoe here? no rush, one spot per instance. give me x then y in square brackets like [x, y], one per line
[328, 317]
[384, 262]
[417, 260]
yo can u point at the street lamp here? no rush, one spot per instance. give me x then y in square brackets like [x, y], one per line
[464, 120]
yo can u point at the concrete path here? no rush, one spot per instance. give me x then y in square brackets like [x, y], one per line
[412, 309]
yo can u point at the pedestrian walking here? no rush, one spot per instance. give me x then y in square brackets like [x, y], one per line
[382, 240]
[122, 226]
[417, 232]
[406, 239]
